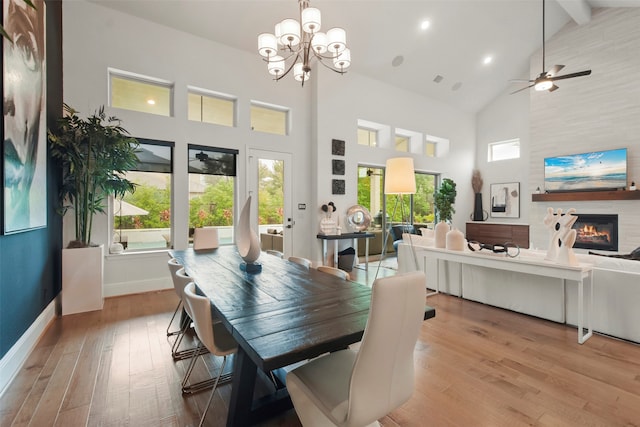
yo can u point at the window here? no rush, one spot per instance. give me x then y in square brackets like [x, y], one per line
[416, 209]
[131, 91]
[212, 183]
[436, 147]
[430, 149]
[269, 118]
[368, 137]
[210, 107]
[402, 143]
[503, 150]
[142, 219]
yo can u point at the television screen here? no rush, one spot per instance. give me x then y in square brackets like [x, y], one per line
[598, 170]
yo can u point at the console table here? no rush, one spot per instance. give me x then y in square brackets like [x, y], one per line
[529, 265]
[354, 237]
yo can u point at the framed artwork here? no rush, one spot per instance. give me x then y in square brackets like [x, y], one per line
[505, 200]
[337, 167]
[337, 186]
[24, 151]
[337, 147]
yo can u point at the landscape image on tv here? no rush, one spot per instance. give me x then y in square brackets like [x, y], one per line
[599, 170]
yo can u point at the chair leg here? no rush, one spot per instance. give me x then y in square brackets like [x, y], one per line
[188, 353]
[221, 378]
[176, 332]
[204, 413]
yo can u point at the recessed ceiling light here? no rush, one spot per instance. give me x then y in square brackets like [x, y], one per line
[151, 102]
[487, 60]
[425, 24]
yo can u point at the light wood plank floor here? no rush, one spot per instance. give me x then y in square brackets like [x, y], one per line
[475, 366]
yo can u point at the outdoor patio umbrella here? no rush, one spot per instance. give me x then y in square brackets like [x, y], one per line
[123, 208]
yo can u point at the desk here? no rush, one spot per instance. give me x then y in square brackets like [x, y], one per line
[281, 316]
[529, 265]
[354, 237]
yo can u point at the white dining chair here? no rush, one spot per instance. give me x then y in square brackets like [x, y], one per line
[211, 335]
[205, 238]
[174, 266]
[354, 389]
[334, 271]
[301, 261]
[181, 279]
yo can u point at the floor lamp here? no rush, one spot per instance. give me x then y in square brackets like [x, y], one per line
[399, 179]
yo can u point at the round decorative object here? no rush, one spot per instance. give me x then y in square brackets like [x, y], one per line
[442, 228]
[358, 218]
[455, 240]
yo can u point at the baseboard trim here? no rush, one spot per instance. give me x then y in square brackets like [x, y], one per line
[136, 287]
[17, 355]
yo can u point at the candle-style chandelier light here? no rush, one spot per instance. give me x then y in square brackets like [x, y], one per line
[296, 43]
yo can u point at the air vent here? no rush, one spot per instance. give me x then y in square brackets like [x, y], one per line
[438, 78]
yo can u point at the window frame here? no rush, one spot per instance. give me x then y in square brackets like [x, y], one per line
[192, 90]
[490, 149]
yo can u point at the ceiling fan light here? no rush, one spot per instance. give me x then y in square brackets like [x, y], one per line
[267, 44]
[290, 29]
[311, 20]
[543, 85]
[336, 40]
[319, 42]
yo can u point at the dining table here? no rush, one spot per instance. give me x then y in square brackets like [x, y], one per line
[280, 316]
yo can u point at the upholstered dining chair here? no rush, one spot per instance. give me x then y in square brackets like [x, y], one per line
[181, 280]
[355, 389]
[211, 335]
[302, 261]
[205, 238]
[174, 266]
[334, 271]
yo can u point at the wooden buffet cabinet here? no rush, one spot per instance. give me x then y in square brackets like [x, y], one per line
[498, 233]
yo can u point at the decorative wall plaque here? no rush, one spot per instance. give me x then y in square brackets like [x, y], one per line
[337, 167]
[337, 186]
[337, 147]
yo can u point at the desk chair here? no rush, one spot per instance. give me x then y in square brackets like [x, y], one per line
[355, 389]
[174, 266]
[302, 261]
[205, 238]
[335, 271]
[213, 336]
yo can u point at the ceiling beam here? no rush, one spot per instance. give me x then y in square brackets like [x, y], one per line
[578, 10]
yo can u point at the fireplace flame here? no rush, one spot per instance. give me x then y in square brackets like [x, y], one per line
[590, 233]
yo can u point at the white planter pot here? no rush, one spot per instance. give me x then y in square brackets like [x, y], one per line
[82, 280]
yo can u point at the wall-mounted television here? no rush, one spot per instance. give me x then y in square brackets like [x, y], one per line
[598, 170]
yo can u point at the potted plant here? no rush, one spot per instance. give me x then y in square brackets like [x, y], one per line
[443, 200]
[94, 154]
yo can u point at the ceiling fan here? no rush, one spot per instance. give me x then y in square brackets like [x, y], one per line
[546, 79]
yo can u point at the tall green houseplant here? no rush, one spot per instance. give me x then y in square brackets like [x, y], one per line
[94, 154]
[444, 199]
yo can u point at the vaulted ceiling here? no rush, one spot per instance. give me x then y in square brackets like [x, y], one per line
[386, 39]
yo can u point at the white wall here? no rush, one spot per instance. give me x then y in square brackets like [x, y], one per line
[586, 114]
[96, 38]
[344, 100]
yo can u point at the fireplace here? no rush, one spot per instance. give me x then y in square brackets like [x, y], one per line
[598, 232]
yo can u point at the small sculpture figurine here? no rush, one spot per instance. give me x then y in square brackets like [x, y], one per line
[561, 236]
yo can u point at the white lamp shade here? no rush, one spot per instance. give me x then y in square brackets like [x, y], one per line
[290, 29]
[342, 60]
[319, 42]
[399, 176]
[267, 45]
[311, 20]
[276, 65]
[278, 32]
[336, 40]
[299, 74]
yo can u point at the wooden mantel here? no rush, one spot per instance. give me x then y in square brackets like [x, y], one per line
[586, 195]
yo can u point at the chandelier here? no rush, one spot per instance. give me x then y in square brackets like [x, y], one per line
[296, 43]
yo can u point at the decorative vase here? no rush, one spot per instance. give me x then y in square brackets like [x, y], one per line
[455, 240]
[442, 228]
[478, 214]
[247, 240]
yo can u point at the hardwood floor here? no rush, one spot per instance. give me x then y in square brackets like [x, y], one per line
[475, 366]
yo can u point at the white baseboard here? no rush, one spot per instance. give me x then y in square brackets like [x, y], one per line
[12, 362]
[136, 287]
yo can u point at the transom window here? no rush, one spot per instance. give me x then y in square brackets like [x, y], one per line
[135, 92]
[503, 150]
[211, 107]
[269, 118]
[368, 137]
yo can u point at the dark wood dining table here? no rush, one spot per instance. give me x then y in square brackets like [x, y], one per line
[283, 315]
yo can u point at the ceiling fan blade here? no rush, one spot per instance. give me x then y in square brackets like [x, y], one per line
[552, 88]
[520, 90]
[521, 81]
[554, 70]
[569, 76]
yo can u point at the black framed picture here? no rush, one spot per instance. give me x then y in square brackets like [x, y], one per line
[24, 151]
[337, 147]
[337, 186]
[337, 167]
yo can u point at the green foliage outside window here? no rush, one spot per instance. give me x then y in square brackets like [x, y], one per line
[271, 192]
[157, 201]
[215, 206]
